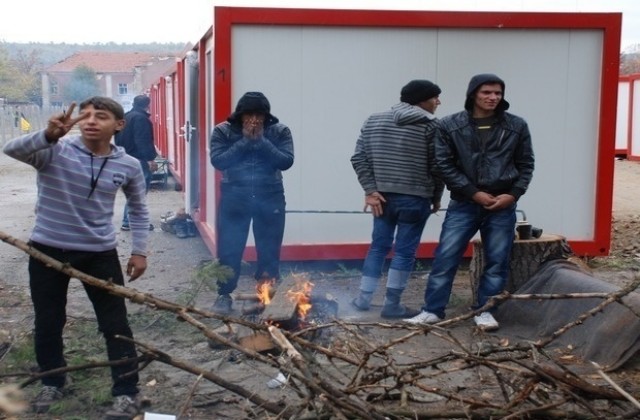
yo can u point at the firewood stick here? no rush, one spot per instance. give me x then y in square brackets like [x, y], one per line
[251, 296]
[126, 292]
[615, 386]
[284, 344]
[253, 308]
[192, 391]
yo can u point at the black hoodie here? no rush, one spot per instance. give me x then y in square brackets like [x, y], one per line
[483, 79]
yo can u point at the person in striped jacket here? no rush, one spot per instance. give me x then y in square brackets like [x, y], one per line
[394, 163]
[78, 178]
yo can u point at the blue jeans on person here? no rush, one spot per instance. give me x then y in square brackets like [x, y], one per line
[146, 171]
[239, 208]
[405, 217]
[462, 221]
[49, 296]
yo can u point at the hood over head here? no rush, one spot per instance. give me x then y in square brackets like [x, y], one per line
[253, 102]
[483, 79]
[405, 114]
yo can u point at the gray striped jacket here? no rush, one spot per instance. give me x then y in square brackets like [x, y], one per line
[395, 153]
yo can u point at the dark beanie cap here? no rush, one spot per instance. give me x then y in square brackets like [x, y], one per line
[419, 90]
[483, 79]
[253, 102]
[141, 101]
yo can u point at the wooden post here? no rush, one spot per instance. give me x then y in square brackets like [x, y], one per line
[526, 257]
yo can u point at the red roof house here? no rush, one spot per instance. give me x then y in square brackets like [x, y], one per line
[120, 74]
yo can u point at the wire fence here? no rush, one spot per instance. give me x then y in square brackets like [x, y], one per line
[18, 120]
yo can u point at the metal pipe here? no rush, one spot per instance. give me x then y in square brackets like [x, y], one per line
[524, 216]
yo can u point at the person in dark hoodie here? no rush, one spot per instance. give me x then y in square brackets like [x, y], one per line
[394, 162]
[485, 157]
[137, 139]
[251, 148]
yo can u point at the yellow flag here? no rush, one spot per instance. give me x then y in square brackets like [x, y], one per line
[24, 124]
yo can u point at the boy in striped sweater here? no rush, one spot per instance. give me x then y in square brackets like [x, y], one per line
[78, 178]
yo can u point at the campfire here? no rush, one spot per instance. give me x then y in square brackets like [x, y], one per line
[295, 304]
[290, 305]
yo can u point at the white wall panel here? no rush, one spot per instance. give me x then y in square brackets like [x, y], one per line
[635, 120]
[323, 83]
[622, 117]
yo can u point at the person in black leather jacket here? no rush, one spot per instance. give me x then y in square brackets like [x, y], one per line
[251, 148]
[485, 157]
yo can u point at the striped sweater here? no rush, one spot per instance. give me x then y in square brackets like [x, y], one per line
[77, 192]
[395, 153]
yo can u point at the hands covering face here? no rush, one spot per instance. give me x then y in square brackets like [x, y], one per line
[253, 125]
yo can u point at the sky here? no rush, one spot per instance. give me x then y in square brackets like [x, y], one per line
[145, 21]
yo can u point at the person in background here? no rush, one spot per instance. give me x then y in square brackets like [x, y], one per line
[137, 139]
[394, 162]
[251, 148]
[78, 179]
[485, 158]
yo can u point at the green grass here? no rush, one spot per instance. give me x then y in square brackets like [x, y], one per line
[88, 391]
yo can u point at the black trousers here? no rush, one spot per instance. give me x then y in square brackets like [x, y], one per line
[265, 212]
[49, 295]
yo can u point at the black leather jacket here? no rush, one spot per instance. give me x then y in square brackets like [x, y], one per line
[252, 164]
[503, 164]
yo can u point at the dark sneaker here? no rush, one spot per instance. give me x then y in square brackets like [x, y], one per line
[398, 311]
[191, 228]
[128, 228]
[359, 304]
[124, 407]
[47, 396]
[222, 305]
[181, 229]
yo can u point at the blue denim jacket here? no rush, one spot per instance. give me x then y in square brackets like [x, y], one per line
[252, 163]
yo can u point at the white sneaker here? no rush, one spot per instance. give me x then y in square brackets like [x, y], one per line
[486, 321]
[423, 318]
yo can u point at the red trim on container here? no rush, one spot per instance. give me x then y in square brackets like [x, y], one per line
[225, 17]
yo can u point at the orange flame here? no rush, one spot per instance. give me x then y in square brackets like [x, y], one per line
[302, 297]
[264, 290]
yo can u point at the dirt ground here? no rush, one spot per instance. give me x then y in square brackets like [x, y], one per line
[172, 266]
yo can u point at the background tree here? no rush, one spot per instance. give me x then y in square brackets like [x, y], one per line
[29, 65]
[629, 63]
[630, 60]
[11, 83]
[83, 84]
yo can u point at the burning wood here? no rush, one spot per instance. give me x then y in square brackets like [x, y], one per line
[265, 291]
[252, 308]
[281, 308]
[302, 298]
[290, 309]
[251, 296]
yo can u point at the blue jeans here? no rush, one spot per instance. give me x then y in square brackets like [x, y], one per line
[265, 212]
[146, 171]
[405, 216]
[462, 221]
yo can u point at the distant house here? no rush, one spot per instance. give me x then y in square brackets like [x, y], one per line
[121, 75]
